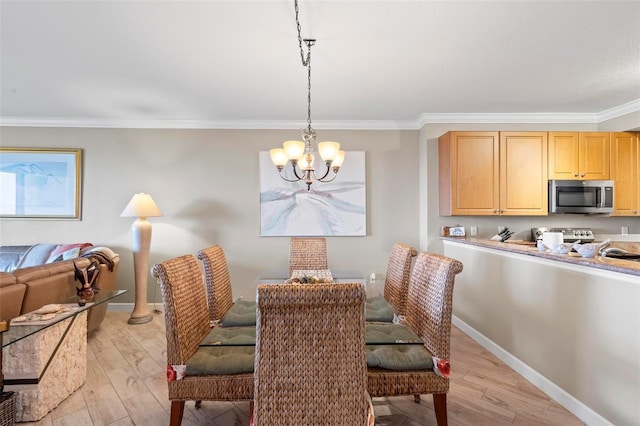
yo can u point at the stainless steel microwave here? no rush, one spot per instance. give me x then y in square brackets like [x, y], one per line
[581, 196]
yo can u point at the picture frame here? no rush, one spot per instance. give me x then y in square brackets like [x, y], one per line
[40, 183]
[327, 209]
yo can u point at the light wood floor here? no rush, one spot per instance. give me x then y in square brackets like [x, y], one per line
[126, 385]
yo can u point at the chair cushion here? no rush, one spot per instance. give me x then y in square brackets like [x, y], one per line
[378, 309]
[382, 333]
[221, 360]
[399, 357]
[230, 335]
[242, 313]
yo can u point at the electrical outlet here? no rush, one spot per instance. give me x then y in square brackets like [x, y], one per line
[624, 230]
[474, 231]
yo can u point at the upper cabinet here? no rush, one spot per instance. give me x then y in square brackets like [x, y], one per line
[625, 171]
[579, 155]
[493, 173]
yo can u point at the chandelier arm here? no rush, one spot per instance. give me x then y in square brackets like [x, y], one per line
[323, 178]
[298, 178]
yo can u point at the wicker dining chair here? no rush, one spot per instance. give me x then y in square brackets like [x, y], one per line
[307, 253]
[428, 313]
[396, 284]
[187, 323]
[217, 281]
[310, 364]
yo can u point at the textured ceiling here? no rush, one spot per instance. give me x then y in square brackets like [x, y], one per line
[377, 63]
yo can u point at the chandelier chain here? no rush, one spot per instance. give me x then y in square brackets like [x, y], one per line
[309, 90]
[306, 62]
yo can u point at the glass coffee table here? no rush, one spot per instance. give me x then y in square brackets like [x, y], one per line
[43, 362]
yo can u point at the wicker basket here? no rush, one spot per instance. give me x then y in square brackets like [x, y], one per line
[7, 409]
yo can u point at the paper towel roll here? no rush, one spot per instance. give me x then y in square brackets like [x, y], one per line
[551, 238]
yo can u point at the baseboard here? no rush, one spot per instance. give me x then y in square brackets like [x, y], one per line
[128, 307]
[120, 307]
[562, 397]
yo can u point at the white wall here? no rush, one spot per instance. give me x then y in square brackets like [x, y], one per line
[575, 327]
[206, 184]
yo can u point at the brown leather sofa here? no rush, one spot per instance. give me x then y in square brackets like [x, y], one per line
[26, 289]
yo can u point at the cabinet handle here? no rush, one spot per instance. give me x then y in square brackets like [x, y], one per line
[582, 175]
[575, 175]
[496, 212]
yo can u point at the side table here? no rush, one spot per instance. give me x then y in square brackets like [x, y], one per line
[45, 363]
[7, 399]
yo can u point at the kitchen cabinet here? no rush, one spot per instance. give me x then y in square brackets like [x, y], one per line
[625, 172]
[579, 155]
[493, 173]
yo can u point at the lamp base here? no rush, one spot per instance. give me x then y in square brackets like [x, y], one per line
[140, 320]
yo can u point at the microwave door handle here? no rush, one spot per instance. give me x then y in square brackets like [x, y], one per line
[600, 203]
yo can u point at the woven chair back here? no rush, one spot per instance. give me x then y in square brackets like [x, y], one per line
[185, 306]
[310, 365]
[396, 285]
[217, 280]
[307, 253]
[430, 299]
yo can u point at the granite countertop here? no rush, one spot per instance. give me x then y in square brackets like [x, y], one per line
[615, 265]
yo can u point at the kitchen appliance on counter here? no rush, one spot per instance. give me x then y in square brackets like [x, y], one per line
[581, 196]
[618, 253]
[569, 235]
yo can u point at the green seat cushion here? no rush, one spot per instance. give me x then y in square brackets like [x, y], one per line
[399, 357]
[230, 336]
[386, 332]
[221, 360]
[378, 309]
[241, 313]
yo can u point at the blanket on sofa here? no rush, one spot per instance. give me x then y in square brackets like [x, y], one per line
[17, 257]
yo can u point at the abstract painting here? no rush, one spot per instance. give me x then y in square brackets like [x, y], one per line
[40, 183]
[336, 208]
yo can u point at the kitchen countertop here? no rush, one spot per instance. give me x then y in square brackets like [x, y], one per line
[615, 265]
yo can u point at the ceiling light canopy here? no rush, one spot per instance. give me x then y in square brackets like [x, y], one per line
[300, 154]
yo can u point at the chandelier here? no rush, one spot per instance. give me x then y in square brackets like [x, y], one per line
[300, 153]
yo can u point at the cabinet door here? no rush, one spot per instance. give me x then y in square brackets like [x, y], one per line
[563, 155]
[469, 175]
[523, 174]
[625, 162]
[594, 155]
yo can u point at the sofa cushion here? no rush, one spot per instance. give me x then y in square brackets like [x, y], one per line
[6, 279]
[42, 271]
[10, 257]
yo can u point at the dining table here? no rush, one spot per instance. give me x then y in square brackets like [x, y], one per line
[241, 331]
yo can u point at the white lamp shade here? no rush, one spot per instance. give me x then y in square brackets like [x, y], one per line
[337, 162]
[141, 205]
[278, 156]
[328, 150]
[293, 149]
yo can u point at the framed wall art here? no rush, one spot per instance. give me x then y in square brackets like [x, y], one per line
[40, 183]
[336, 208]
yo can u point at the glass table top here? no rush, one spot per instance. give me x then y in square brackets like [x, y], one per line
[19, 331]
[237, 333]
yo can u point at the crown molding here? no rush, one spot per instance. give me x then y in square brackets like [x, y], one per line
[424, 119]
[584, 118]
[204, 124]
[615, 112]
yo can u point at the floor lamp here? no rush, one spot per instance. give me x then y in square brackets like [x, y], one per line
[141, 206]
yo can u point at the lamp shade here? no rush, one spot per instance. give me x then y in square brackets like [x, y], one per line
[141, 205]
